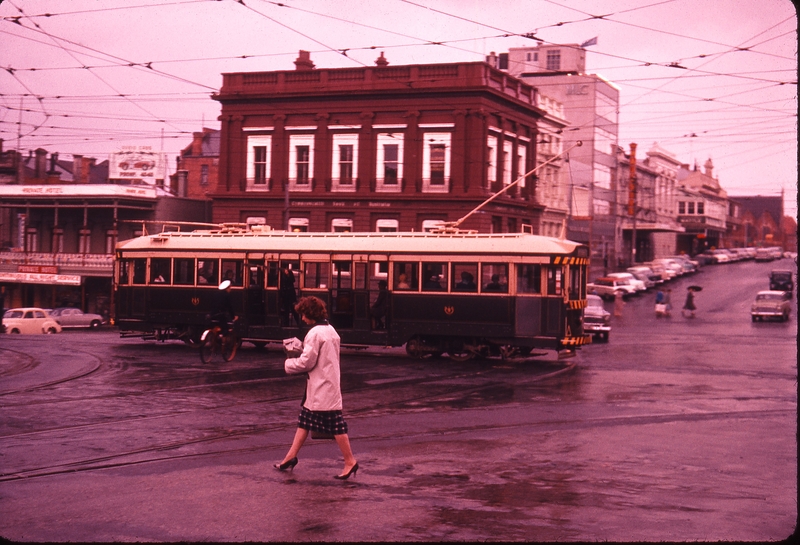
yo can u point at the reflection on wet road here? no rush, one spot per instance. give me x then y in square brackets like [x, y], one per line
[676, 429]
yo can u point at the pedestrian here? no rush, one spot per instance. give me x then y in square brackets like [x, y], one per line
[380, 307]
[668, 301]
[321, 408]
[618, 304]
[689, 304]
[661, 308]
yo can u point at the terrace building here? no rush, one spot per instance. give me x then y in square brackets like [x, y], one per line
[382, 148]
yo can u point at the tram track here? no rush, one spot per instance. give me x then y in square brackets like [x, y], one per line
[117, 459]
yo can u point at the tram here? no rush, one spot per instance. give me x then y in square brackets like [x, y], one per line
[462, 294]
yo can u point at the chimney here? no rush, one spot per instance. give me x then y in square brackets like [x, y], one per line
[381, 61]
[77, 169]
[709, 166]
[53, 163]
[492, 59]
[303, 62]
[41, 163]
[197, 144]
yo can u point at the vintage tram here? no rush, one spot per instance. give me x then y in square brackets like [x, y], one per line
[460, 293]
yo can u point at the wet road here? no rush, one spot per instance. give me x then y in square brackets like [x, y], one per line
[677, 429]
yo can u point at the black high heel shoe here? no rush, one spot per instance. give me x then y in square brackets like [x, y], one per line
[286, 465]
[347, 475]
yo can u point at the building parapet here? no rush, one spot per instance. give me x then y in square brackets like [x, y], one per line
[375, 79]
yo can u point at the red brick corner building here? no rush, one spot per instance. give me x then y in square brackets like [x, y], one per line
[383, 148]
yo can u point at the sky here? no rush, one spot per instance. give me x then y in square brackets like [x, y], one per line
[702, 78]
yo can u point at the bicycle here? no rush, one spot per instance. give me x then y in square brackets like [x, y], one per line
[215, 341]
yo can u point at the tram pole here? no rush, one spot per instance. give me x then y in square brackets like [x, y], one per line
[450, 226]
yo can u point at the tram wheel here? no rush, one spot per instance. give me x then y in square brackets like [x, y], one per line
[415, 349]
[460, 355]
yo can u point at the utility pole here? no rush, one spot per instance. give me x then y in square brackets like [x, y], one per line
[632, 203]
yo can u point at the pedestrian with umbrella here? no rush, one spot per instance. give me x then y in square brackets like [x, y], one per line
[689, 304]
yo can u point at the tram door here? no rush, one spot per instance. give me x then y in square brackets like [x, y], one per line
[342, 304]
[255, 304]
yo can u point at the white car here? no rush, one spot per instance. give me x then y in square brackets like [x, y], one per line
[637, 284]
[29, 320]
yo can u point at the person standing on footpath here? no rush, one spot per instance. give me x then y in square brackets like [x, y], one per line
[618, 304]
[321, 408]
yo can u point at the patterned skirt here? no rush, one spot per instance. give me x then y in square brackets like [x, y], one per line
[324, 422]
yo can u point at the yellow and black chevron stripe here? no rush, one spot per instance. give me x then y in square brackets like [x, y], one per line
[576, 341]
[578, 304]
[566, 260]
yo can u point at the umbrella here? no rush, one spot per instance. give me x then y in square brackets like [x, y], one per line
[695, 288]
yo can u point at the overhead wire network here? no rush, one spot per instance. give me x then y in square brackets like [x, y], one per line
[175, 82]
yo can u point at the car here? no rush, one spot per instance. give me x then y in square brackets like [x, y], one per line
[691, 265]
[771, 304]
[649, 280]
[632, 280]
[781, 280]
[764, 254]
[670, 265]
[596, 319]
[74, 317]
[721, 256]
[646, 272]
[607, 287]
[660, 270]
[29, 320]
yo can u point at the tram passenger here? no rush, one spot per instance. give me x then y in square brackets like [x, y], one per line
[467, 282]
[402, 282]
[321, 408]
[380, 307]
[495, 284]
[432, 283]
[288, 298]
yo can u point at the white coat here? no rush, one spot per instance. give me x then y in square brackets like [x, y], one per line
[320, 359]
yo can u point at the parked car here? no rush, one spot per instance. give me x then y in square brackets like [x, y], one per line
[721, 256]
[670, 265]
[632, 280]
[771, 304]
[781, 281]
[648, 279]
[763, 254]
[29, 320]
[596, 319]
[688, 265]
[642, 272]
[662, 271]
[607, 287]
[75, 317]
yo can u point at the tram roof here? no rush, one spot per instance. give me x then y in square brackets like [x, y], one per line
[392, 243]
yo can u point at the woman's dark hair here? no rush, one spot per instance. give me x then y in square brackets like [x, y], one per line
[312, 308]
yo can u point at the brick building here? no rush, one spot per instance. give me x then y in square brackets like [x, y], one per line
[377, 148]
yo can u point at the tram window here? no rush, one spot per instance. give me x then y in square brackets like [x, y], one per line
[255, 275]
[464, 275]
[160, 270]
[553, 280]
[272, 274]
[494, 277]
[575, 282]
[529, 278]
[183, 274]
[124, 277]
[207, 273]
[342, 277]
[361, 276]
[380, 271]
[139, 271]
[316, 274]
[434, 276]
[405, 276]
[232, 270]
